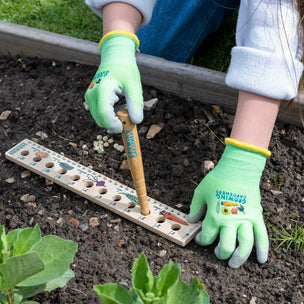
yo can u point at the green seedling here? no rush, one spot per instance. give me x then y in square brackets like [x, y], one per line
[30, 264]
[293, 238]
[35, 179]
[278, 181]
[167, 288]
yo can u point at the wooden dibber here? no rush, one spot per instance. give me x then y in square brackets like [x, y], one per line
[132, 147]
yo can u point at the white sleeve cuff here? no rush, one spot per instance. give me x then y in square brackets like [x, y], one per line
[145, 7]
[264, 73]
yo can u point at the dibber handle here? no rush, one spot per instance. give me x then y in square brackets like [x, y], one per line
[132, 147]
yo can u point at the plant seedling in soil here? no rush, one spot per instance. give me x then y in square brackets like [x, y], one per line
[167, 288]
[30, 264]
[292, 237]
[278, 181]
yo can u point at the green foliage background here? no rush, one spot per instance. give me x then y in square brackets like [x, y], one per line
[69, 17]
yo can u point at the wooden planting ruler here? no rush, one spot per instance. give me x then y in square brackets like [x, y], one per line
[110, 194]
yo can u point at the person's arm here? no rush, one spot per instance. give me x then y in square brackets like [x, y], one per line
[120, 16]
[265, 67]
[254, 119]
[230, 192]
[144, 7]
[118, 73]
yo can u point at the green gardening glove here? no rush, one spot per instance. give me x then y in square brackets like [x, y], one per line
[117, 75]
[231, 195]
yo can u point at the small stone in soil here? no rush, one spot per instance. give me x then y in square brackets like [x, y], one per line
[121, 243]
[93, 222]
[142, 130]
[5, 114]
[42, 135]
[48, 182]
[216, 110]
[28, 198]
[150, 104]
[124, 283]
[25, 173]
[124, 165]
[10, 180]
[60, 221]
[32, 204]
[186, 162]
[116, 228]
[74, 221]
[276, 192]
[84, 226]
[93, 255]
[85, 105]
[207, 166]
[155, 129]
[162, 253]
[118, 220]
[74, 145]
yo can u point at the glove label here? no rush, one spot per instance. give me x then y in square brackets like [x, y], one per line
[97, 78]
[230, 202]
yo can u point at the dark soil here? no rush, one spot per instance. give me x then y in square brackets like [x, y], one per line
[46, 96]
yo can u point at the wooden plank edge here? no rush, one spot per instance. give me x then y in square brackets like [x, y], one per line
[182, 80]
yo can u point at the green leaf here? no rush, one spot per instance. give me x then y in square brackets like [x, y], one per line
[56, 254]
[3, 298]
[181, 293]
[112, 294]
[4, 248]
[17, 299]
[60, 282]
[11, 237]
[139, 294]
[26, 239]
[18, 268]
[142, 277]
[30, 291]
[30, 302]
[136, 298]
[168, 276]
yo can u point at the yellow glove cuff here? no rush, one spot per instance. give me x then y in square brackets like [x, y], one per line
[250, 147]
[124, 33]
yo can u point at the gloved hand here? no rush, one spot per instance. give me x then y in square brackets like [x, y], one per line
[231, 195]
[117, 75]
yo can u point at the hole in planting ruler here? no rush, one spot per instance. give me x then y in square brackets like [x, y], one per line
[166, 221]
[89, 184]
[176, 227]
[103, 191]
[131, 205]
[116, 198]
[49, 165]
[25, 153]
[62, 171]
[160, 219]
